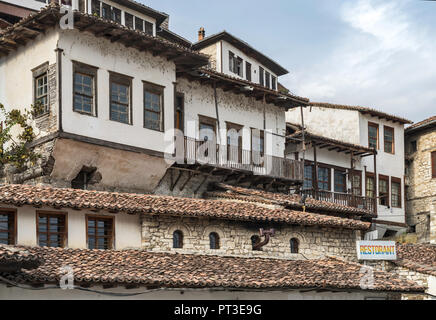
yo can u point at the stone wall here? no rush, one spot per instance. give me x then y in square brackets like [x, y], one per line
[235, 238]
[421, 188]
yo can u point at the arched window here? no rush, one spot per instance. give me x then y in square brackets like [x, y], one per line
[214, 240]
[178, 239]
[294, 245]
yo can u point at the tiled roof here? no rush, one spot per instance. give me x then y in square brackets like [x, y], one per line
[417, 257]
[164, 205]
[165, 270]
[364, 110]
[288, 200]
[422, 124]
[13, 259]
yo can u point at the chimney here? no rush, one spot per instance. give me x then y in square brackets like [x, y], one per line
[201, 34]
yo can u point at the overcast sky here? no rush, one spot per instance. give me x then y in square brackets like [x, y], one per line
[373, 53]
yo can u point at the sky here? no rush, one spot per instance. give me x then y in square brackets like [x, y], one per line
[372, 53]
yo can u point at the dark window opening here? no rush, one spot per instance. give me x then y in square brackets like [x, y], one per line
[95, 7]
[294, 245]
[413, 147]
[116, 15]
[273, 83]
[214, 240]
[139, 24]
[178, 239]
[383, 188]
[248, 71]
[261, 76]
[267, 80]
[128, 20]
[83, 179]
[106, 11]
[148, 28]
[254, 241]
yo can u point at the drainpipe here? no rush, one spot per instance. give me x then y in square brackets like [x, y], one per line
[59, 53]
[268, 234]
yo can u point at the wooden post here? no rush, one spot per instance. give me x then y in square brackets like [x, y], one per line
[353, 202]
[375, 185]
[316, 170]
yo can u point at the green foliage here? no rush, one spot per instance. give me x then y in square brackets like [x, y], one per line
[13, 149]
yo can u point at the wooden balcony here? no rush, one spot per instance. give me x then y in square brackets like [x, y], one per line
[345, 199]
[227, 160]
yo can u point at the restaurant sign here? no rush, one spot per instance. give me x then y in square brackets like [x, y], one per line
[376, 250]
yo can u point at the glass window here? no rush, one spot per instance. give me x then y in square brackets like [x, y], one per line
[308, 177]
[384, 191]
[148, 28]
[95, 7]
[83, 93]
[153, 107]
[139, 24]
[178, 239]
[396, 193]
[116, 15]
[51, 230]
[214, 240]
[389, 140]
[41, 93]
[120, 99]
[248, 71]
[356, 184]
[370, 187]
[100, 233]
[128, 20]
[7, 227]
[373, 135]
[340, 181]
[231, 61]
[106, 11]
[267, 80]
[294, 245]
[261, 76]
[273, 83]
[324, 179]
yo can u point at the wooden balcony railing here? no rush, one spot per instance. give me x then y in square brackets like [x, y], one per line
[231, 157]
[349, 200]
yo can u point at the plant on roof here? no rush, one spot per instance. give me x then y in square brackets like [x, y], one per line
[16, 133]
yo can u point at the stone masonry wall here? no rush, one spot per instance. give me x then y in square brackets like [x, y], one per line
[235, 238]
[421, 190]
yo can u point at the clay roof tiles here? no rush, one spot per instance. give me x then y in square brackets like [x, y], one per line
[165, 270]
[417, 257]
[19, 195]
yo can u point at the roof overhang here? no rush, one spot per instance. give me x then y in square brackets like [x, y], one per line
[30, 27]
[249, 89]
[139, 7]
[244, 47]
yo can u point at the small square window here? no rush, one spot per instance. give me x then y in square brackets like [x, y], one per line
[52, 230]
[100, 232]
[7, 227]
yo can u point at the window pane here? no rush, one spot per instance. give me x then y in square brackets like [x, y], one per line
[340, 182]
[308, 177]
[323, 179]
[396, 192]
[373, 136]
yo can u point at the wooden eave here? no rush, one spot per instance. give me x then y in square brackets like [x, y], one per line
[246, 88]
[29, 28]
[333, 145]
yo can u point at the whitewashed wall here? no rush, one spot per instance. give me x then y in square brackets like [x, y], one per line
[107, 56]
[198, 294]
[200, 100]
[127, 227]
[31, 4]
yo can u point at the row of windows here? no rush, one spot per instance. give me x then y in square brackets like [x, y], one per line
[52, 230]
[85, 96]
[388, 137]
[108, 12]
[236, 65]
[214, 241]
[389, 190]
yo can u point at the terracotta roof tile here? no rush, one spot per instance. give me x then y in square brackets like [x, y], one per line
[196, 271]
[417, 257]
[292, 201]
[423, 123]
[14, 259]
[165, 205]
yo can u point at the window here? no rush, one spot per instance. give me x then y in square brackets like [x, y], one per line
[83, 178]
[128, 20]
[235, 64]
[208, 139]
[214, 240]
[95, 7]
[139, 24]
[51, 230]
[84, 100]
[340, 181]
[324, 179]
[148, 28]
[383, 190]
[294, 245]
[40, 79]
[153, 107]
[100, 233]
[82, 6]
[356, 183]
[389, 140]
[106, 11]
[373, 135]
[308, 177]
[370, 185]
[231, 61]
[413, 147]
[273, 83]
[120, 98]
[7, 227]
[178, 239]
[248, 71]
[254, 241]
[261, 76]
[267, 80]
[179, 112]
[433, 164]
[396, 192]
[116, 15]
[257, 146]
[234, 142]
